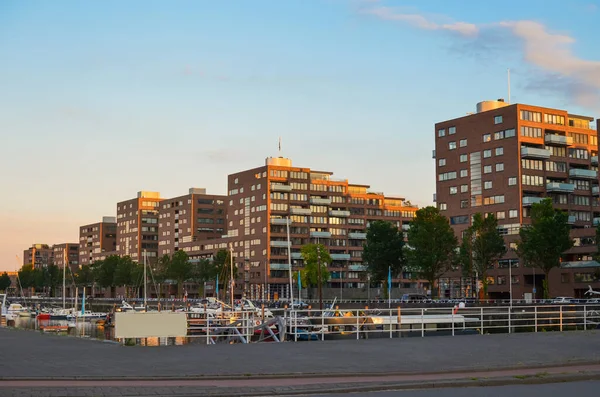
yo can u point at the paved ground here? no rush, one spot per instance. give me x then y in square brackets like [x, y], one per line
[550, 390]
[29, 354]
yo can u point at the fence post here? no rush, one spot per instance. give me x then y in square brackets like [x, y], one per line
[452, 321]
[585, 317]
[357, 324]
[322, 326]
[422, 324]
[390, 323]
[509, 325]
[481, 310]
[560, 319]
[536, 318]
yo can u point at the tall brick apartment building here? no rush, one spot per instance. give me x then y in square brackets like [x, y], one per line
[97, 240]
[319, 209]
[68, 251]
[137, 226]
[503, 159]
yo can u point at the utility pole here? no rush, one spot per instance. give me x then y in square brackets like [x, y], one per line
[319, 277]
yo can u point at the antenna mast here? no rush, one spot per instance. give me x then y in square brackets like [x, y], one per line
[509, 86]
[279, 146]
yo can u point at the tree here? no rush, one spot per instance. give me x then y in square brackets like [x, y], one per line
[545, 240]
[26, 276]
[222, 263]
[180, 269]
[383, 249]
[52, 277]
[309, 275]
[431, 249]
[5, 282]
[125, 273]
[84, 276]
[159, 272]
[104, 272]
[202, 271]
[482, 245]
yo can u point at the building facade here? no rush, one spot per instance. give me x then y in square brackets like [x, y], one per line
[97, 240]
[38, 255]
[318, 208]
[500, 161]
[66, 252]
[137, 226]
[186, 220]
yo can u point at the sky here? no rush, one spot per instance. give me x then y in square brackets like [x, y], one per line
[99, 100]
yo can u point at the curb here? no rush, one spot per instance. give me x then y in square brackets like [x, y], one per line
[306, 374]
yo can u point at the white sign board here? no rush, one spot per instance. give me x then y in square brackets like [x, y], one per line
[150, 324]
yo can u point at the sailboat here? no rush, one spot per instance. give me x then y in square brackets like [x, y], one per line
[85, 315]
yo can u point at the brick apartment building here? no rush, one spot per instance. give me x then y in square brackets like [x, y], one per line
[137, 226]
[38, 255]
[68, 251]
[97, 240]
[319, 209]
[186, 220]
[503, 159]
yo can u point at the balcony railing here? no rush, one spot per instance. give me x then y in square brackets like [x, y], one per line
[571, 219]
[276, 187]
[280, 244]
[554, 139]
[280, 221]
[357, 236]
[560, 187]
[300, 211]
[320, 234]
[527, 201]
[594, 160]
[534, 153]
[583, 174]
[596, 190]
[279, 266]
[339, 213]
[357, 268]
[340, 257]
[320, 201]
[296, 255]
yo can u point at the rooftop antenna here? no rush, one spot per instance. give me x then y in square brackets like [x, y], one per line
[279, 146]
[508, 86]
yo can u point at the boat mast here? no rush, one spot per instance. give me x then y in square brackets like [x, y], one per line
[64, 276]
[145, 296]
[231, 272]
[289, 244]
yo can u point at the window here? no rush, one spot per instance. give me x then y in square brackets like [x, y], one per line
[453, 190]
[464, 203]
[452, 145]
[443, 206]
[531, 132]
[564, 278]
[451, 130]
[441, 133]
[463, 143]
[531, 116]
[513, 214]
[580, 200]
[504, 134]
[556, 166]
[532, 180]
[487, 153]
[499, 151]
[487, 137]
[464, 188]
[487, 169]
[532, 164]
[459, 220]
[500, 215]
[554, 119]
[446, 176]
[493, 200]
[463, 173]
[463, 158]
[441, 162]
[582, 154]
[557, 151]
[487, 184]
[579, 138]
[498, 120]
[512, 181]
[499, 167]
[581, 184]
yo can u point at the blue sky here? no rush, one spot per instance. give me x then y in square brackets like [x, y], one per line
[101, 99]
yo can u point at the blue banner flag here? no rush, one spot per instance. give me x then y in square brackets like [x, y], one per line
[83, 303]
[389, 281]
[299, 281]
[217, 287]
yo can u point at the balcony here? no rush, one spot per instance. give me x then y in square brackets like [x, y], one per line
[357, 268]
[300, 211]
[320, 201]
[279, 266]
[596, 221]
[534, 153]
[357, 236]
[571, 219]
[580, 173]
[280, 221]
[276, 187]
[405, 227]
[594, 160]
[339, 213]
[596, 190]
[320, 234]
[340, 257]
[553, 139]
[296, 255]
[280, 244]
[560, 187]
[528, 201]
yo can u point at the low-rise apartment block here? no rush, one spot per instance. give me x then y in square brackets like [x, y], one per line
[66, 252]
[38, 255]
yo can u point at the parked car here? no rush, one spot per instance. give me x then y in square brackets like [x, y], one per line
[415, 298]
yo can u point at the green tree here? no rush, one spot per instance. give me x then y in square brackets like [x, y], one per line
[383, 249]
[52, 278]
[159, 272]
[431, 248]
[125, 274]
[222, 263]
[202, 271]
[312, 254]
[180, 269]
[104, 272]
[84, 276]
[26, 276]
[545, 240]
[482, 245]
[4, 282]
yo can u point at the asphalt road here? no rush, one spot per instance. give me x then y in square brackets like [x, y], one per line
[547, 390]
